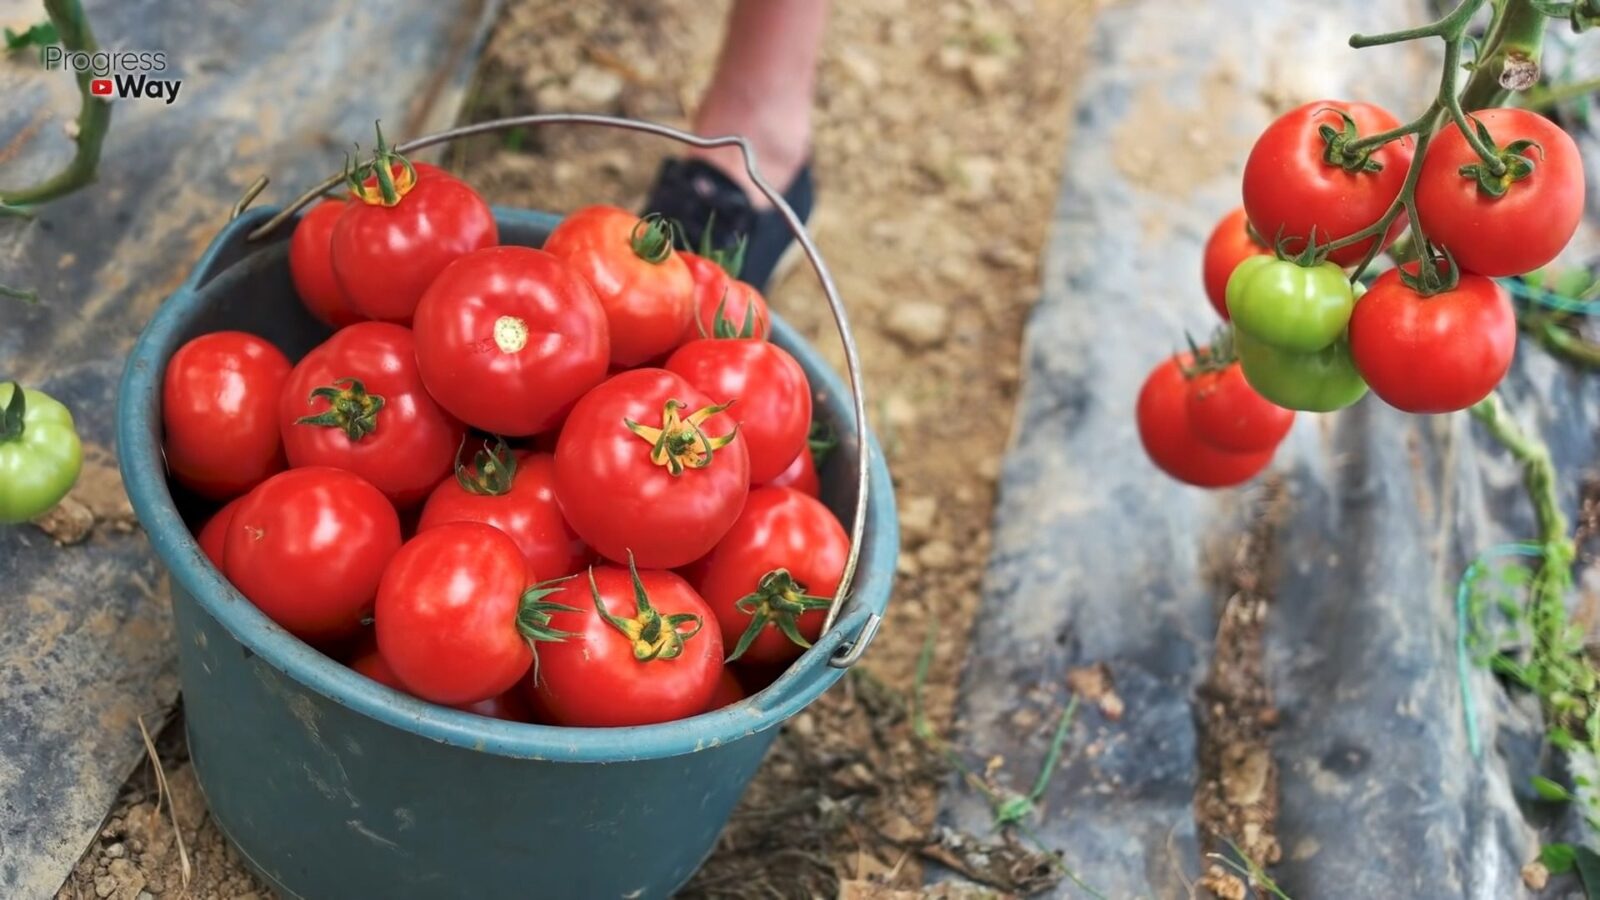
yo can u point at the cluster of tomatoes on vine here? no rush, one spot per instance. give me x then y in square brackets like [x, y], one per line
[566, 485]
[1332, 185]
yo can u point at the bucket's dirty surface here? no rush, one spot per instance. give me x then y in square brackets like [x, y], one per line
[85, 643]
[334, 786]
[1365, 779]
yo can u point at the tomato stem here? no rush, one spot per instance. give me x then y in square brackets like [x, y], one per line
[680, 443]
[534, 612]
[94, 114]
[350, 409]
[492, 470]
[777, 600]
[385, 189]
[11, 421]
[653, 237]
[652, 635]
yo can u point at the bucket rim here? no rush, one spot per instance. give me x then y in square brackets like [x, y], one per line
[144, 476]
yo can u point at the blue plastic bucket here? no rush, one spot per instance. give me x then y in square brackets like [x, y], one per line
[333, 786]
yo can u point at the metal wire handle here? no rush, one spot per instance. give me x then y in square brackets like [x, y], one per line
[850, 653]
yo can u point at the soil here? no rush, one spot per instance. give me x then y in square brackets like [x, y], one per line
[1236, 801]
[939, 141]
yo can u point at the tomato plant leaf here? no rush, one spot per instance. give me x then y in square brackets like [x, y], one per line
[1558, 858]
[42, 34]
[1550, 790]
[1588, 865]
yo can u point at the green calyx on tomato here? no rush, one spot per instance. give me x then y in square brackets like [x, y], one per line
[1290, 304]
[652, 635]
[728, 259]
[680, 443]
[1320, 381]
[1438, 275]
[533, 612]
[350, 409]
[40, 454]
[492, 470]
[723, 327]
[822, 441]
[653, 237]
[777, 600]
[1514, 158]
[385, 189]
[1339, 141]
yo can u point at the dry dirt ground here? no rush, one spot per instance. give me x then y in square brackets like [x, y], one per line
[940, 133]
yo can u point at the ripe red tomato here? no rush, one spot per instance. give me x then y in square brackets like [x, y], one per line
[647, 465]
[219, 403]
[214, 533]
[1227, 413]
[357, 402]
[640, 651]
[771, 579]
[308, 546]
[644, 285]
[311, 266]
[1533, 218]
[801, 475]
[385, 256]
[508, 338]
[1171, 442]
[1230, 244]
[510, 706]
[455, 617]
[369, 662]
[764, 389]
[1433, 354]
[516, 494]
[729, 691]
[716, 292]
[1289, 188]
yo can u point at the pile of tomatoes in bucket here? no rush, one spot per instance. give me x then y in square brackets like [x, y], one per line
[1327, 187]
[570, 486]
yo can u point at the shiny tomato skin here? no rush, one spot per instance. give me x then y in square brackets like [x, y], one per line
[307, 547]
[801, 475]
[648, 305]
[219, 404]
[594, 680]
[1230, 244]
[311, 266]
[508, 338]
[510, 706]
[769, 394]
[1289, 188]
[1227, 413]
[1171, 442]
[415, 442]
[1525, 228]
[715, 289]
[213, 534]
[384, 257]
[1434, 354]
[779, 528]
[618, 500]
[527, 513]
[446, 614]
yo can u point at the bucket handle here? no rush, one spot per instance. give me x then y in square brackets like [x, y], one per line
[848, 654]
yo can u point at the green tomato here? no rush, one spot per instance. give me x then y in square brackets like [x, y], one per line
[1290, 306]
[1322, 381]
[39, 453]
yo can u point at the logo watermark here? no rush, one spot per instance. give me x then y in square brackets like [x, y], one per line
[121, 73]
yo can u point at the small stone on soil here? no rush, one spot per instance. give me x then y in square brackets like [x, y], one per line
[919, 324]
[938, 555]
